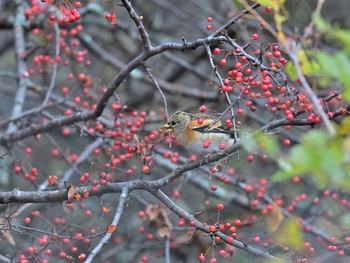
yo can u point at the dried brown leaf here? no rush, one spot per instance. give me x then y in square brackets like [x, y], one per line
[3, 223]
[159, 219]
[275, 218]
[71, 192]
[111, 228]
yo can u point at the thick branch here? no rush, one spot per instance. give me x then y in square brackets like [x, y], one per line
[17, 196]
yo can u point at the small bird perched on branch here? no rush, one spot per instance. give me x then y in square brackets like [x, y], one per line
[200, 133]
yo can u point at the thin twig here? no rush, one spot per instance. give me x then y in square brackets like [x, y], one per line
[315, 103]
[235, 19]
[55, 66]
[122, 201]
[51, 87]
[155, 82]
[167, 249]
[227, 96]
[81, 158]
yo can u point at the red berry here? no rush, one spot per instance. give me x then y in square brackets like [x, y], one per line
[250, 158]
[203, 108]
[290, 117]
[222, 253]
[176, 194]
[201, 258]
[220, 207]
[230, 239]
[17, 169]
[206, 144]
[286, 142]
[237, 222]
[36, 213]
[212, 228]
[217, 51]
[240, 111]
[30, 250]
[150, 236]
[82, 257]
[248, 188]
[145, 169]
[181, 222]
[223, 62]
[222, 146]
[296, 179]
[277, 54]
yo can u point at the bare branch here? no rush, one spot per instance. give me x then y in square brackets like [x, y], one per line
[21, 65]
[142, 30]
[205, 228]
[318, 108]
[155, 82]
[118, 213]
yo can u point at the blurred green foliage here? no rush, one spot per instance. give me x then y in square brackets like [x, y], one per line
[327, 65]
[321, 156]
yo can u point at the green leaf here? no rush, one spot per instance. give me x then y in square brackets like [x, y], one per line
[319, 155]
[290, 235]
[275, 4]
[266, 143]
[309, 66]
[341, 35]
[280, 19]
[335, 65]
[291, 71]
[320, 23]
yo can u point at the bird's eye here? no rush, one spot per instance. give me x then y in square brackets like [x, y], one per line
[172, 123]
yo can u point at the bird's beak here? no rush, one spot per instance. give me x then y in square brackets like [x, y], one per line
[166, 128]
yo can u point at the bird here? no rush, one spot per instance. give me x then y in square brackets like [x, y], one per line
[199, 132]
